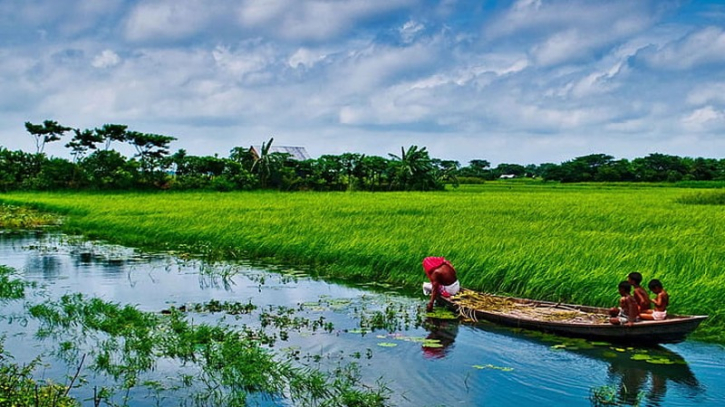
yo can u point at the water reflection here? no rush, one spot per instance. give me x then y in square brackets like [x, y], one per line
[645, 374]
[635, 376]
[441, 335]
[49, 266]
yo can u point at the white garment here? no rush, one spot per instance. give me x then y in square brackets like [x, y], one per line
[452, 289]
[659, 315]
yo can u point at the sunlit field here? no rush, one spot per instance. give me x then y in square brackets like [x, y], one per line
[570, 243]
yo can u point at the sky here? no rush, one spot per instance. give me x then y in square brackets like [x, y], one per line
[525, 82]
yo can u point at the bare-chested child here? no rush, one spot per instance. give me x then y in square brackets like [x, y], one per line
[639, 293]
[661, 301]
[628, 312]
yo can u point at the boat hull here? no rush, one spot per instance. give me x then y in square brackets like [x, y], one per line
[674, 329]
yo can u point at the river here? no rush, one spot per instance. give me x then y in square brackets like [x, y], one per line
[459, 364]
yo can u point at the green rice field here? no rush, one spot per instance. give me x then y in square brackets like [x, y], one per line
[570, 243]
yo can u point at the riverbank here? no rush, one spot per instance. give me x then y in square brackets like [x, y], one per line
[553, 242]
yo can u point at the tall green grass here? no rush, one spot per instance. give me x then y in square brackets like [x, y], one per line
[561, 243]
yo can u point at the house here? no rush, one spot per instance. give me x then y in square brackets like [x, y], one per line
[296, 153]
[507, 176]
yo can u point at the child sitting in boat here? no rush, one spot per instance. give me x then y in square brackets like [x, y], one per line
[628, 311]
[639, 293]
[661, 301]
[443, 280]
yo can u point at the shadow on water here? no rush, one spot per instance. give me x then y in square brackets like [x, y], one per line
[635, 375]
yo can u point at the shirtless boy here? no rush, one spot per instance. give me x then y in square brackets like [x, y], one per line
[628, 309]
[443, 280]
[639, 294]
[661, 301]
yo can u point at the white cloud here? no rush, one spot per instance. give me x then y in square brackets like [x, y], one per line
[704, 93]
[704, 119]
[106, 59]
[242, 63]
[410, 30]
[169, 19]
[367, 69]
[699, 48]
[305, 57]
[565, 31]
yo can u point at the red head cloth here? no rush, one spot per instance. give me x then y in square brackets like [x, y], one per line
[432, 263]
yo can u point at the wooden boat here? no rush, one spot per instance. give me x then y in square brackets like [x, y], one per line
[569, 320]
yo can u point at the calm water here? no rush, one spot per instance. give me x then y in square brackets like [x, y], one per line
[481, 365]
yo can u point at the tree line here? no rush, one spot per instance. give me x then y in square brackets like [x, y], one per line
[97, 165]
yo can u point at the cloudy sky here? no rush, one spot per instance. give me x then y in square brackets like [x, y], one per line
[527, 82]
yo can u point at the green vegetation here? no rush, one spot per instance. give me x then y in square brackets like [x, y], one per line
[18, 388]
[234, 364]
[125, 344]
[561, 243]
[11, 288]
[16, 217]
[96, 166]
[704, 198]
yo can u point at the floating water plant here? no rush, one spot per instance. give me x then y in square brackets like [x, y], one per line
[489, 366]
[441, 313]
[387, 344]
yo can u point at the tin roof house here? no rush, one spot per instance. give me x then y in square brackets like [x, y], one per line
[296, 153]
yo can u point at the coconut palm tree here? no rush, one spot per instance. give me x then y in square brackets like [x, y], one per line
[413, 170]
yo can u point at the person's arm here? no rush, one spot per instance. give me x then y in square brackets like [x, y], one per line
[435, 292]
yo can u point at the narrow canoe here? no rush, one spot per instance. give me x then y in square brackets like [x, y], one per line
[569, 320]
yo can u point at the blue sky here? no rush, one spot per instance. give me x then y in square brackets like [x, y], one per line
[527, 82]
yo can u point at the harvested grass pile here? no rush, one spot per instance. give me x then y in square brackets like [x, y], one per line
[469, 302]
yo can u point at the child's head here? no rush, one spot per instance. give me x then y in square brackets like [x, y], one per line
[655, 285]
[634, 278]
[625, 287]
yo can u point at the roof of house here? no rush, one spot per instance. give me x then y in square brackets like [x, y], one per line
[297, 153]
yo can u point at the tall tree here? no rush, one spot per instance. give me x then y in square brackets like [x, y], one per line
[266, 163]
[112, 132]
[82, 141]
[45, 133]
[413, 170]
[150, 148]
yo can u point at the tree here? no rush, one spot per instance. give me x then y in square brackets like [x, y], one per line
[413, 170]
[16, 167]
[476, 168]
[703, 169]
[658, 167]
[504, 168]
[45, 133]
[243, 156]
[112, 132]
[150, 148]
[82, 142]
[108, 169]
[374, 169]
[266, 164]
[446, 170]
